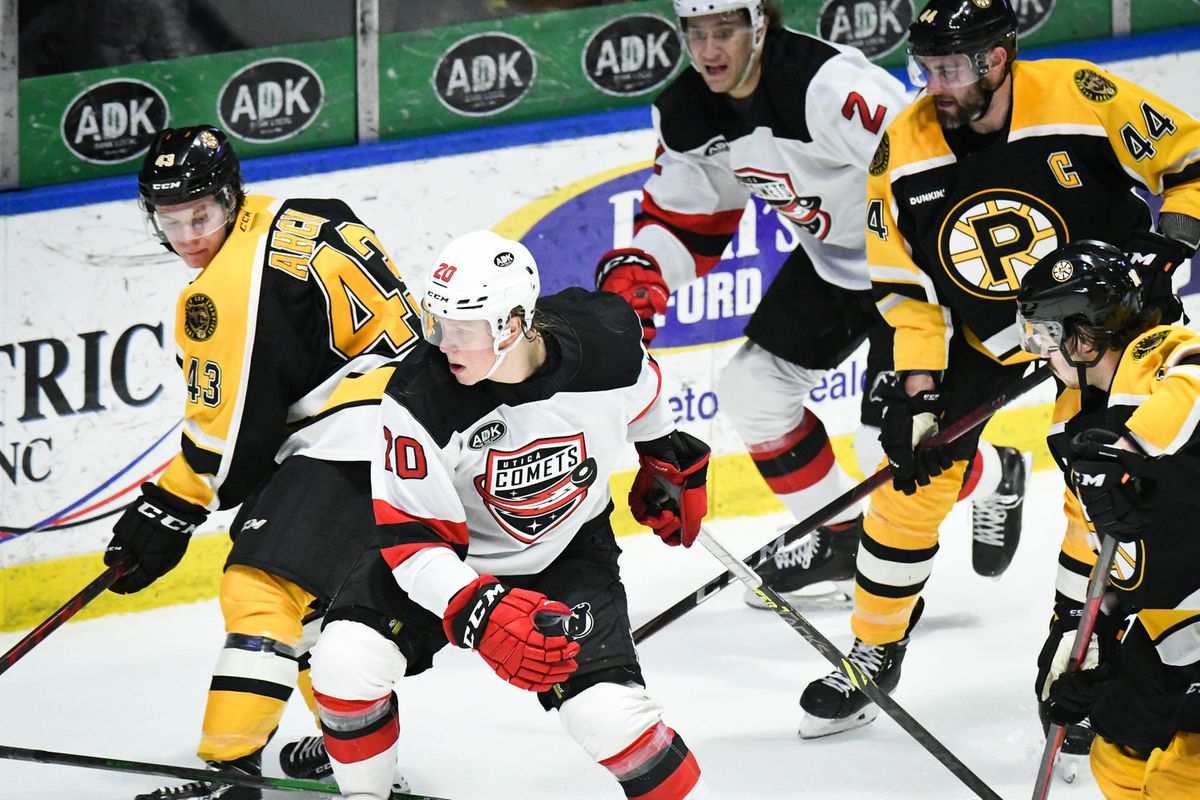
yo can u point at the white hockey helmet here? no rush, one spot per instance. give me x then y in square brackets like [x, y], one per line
[700, 8]
[481, 276]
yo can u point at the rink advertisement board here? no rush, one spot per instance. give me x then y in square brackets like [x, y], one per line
[453, 77]
[271, 100]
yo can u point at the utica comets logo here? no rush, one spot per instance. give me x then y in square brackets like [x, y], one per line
[532, 489]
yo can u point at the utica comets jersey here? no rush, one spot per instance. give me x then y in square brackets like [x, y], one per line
[954, 220]
[300, 295]
[1154, 399]
[504, 475]
[801, 143]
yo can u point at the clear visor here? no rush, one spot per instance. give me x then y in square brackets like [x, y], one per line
[953, 71]
[190, 221]
[720, 31]
[457, 334]
[1040, 336]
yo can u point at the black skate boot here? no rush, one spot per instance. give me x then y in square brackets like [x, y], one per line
[204, 790]
[996, 520]
[306, 759]
[1076, 746]
[827, 554]
[832, 704]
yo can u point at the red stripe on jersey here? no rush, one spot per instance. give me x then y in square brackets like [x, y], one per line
[808, 475]
[452, 532]
[657, 391]
[764, 451]
[399, 553]
[719, 223]
[974, 473]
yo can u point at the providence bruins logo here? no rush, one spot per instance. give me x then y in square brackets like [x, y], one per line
[1094, 86]
[879, 161]
[199, 317]
[992, 238]
[1148, 344]
[1062, 271]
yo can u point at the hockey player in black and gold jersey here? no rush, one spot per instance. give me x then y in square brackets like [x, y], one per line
[999, 163]
[1126, 433]
[291, 297]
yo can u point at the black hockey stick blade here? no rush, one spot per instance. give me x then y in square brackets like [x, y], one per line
[852, 672]
[1097, 583]
[69, 609]
[801, 529]
[186, 773]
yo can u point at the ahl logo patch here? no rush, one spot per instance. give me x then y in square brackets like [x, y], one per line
[199, 317]
[1148, 344]
[530, 490]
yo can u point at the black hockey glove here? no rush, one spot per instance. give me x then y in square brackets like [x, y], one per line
[1155, 257]
[1067, 697]
[155, 528]
[908, 421]
[1108, 482]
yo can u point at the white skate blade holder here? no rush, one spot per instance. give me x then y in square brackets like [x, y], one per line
[816, 727]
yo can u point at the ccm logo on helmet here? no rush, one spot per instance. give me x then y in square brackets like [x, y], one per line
[168, 185]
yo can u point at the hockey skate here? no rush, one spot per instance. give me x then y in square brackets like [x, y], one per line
[1076, 745]
[832, 704]
[996, 520]
[309, 760]
[818, 571]
[204, 790]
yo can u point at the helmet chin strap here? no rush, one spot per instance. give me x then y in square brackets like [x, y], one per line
[500, 352]
[760, 36]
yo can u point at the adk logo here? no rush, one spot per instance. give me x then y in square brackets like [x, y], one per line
[484, 74]
[877, 27]
[631, 55]
[270, 100]
[991, 239]
[1031, 14]
[486, 434]
[531, 490]
[114, 121]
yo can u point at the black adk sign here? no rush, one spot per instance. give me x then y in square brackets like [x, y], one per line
[631, 55]
[270, 100]
[1032, 13]
[877, 27]
[484, 74]
[113, 121]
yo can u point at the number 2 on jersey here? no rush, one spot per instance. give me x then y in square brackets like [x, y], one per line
[856, 103]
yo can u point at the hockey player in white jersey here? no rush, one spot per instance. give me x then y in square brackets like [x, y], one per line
[793, 120]
[497, 439]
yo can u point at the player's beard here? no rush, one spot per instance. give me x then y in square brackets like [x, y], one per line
[965, 110]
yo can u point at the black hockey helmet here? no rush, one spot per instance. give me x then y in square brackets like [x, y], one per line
[183, 164]
[1087, 286]
[949, 27]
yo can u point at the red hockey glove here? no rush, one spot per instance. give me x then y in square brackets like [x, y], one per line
[155, 528]
[1155, 257]
[670, 493]
[634, 274]
[502, 624]
[1107, 480]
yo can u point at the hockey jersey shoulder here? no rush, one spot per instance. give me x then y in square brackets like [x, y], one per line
[688, 113]
[423, 384]
[1072, 89]
[600, 338]
[915, 135]
[792, 62]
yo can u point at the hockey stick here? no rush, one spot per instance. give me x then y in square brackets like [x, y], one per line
[798, 531]
[1097, 583]
[68, 610]
[851, 670]
[187, 773]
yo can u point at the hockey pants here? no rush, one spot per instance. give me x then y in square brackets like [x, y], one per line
[265, 642]
[1171, 774]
